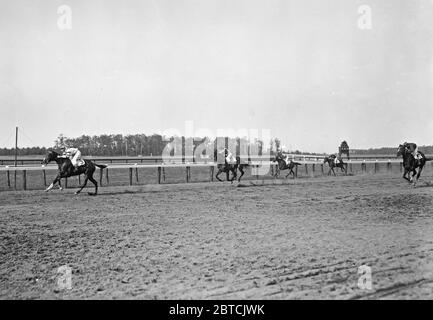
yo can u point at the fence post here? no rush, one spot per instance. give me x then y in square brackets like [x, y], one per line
[44, 177]
[314, 168]
[130, 176]
[211, 169]
[9, 179]
[296, 171]
[136, 175]
[187, 174]
[100, 176]
[159, 175]
[389, 166]
[25, 179]
[66, 183]
[321, 168]
[163, 174]
[376, 166]
[15, 179]
[106, 176]
[306, 169]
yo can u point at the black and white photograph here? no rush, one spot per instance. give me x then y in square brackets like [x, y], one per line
[216, 150]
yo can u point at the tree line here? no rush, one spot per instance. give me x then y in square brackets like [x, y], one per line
[153, 145]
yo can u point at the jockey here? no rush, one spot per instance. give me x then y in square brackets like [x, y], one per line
[229, 158]
[412, 148]
[335, 158]
[74, 154]
[286, 159]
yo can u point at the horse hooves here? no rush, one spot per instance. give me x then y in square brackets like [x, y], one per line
[91, 194]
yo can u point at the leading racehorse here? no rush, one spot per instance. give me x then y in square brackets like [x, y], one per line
[67, 169]
[410, 164]
[331, 162]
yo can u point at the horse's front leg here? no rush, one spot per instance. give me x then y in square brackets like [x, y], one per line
[413, 175]
[217, 175]
[405, 174]
[234, 175]
[56, 179]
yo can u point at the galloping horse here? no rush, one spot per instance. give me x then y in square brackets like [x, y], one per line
[283, 165]
[410, 164]
[331, 162]
[231, 167]
[67, 169]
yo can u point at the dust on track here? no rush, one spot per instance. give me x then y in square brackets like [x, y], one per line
[297, 239]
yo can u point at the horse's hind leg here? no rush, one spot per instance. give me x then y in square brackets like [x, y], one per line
[96, 186]
[83, 185]
[242, 173]
[417, 177]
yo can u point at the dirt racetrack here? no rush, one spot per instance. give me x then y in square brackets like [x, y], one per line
[301, 239]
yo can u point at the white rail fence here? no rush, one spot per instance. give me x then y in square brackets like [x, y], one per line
[310, 163]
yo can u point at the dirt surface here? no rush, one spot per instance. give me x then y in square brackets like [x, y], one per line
[302, 239]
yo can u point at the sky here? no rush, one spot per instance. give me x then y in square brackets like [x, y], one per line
[303, 69]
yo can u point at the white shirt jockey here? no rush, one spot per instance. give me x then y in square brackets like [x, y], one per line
[336, 160]
[229, 156]
[75, 155]
[287, 160]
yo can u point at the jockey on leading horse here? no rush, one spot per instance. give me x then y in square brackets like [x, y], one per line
[74, 155]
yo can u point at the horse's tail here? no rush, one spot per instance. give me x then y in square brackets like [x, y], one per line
[102, 166]
[296, 163]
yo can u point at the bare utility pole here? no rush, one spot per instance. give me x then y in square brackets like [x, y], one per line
[16, 145]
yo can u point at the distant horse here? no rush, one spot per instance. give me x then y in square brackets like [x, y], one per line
[410, 164]
[231, 167]
[67, 169]
[331, 162]
[283, 165]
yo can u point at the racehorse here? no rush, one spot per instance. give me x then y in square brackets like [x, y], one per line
[331, 162]
[231, 167]
[410, 164]
[283, 165]
[67, 169]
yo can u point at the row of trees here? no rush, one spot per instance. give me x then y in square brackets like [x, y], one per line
[153, 145]
[388, 150]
